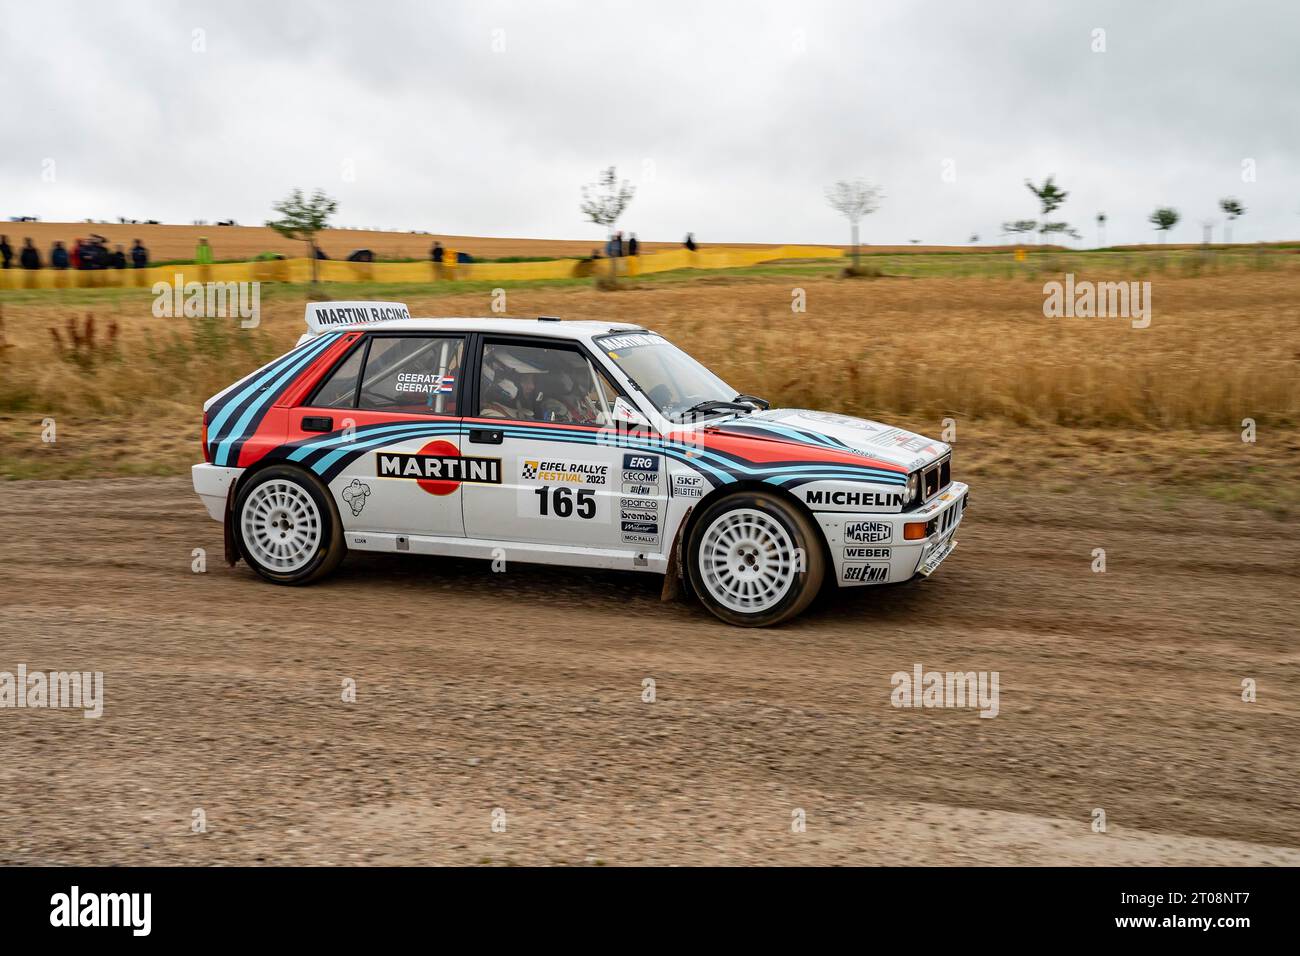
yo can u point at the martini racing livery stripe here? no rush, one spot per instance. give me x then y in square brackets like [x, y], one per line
[235, 416]
[328, 455]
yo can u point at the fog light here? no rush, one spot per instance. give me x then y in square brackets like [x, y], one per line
[915, 531]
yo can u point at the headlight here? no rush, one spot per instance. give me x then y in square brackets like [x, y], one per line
[913, 487]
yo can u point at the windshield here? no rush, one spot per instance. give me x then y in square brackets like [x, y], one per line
[670, 378]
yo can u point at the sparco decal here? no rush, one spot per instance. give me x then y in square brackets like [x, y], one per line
[866, 573]
[855, 499]
[867, 531]
[644, 504]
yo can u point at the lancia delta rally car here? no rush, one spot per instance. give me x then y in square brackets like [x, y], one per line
[574, 443]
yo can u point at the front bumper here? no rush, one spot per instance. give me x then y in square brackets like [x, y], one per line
[871, 549]
[213, 485]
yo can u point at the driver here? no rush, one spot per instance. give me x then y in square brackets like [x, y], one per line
[501, 400]
[565, 401]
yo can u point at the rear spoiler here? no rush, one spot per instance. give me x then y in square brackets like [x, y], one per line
[327, 316]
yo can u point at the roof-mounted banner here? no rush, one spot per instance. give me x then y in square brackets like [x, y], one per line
[323, 316]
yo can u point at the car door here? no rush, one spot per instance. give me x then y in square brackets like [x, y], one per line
[383, 431]
[545, 408]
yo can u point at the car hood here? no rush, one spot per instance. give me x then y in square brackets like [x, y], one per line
[829, 430]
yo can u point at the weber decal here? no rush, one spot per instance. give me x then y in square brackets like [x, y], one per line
[853, 553]
[867, 531]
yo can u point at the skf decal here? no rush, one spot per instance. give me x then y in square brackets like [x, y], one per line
[688, 486]
[866, 573]
[854, 499]
[867, 531]
[356, 494]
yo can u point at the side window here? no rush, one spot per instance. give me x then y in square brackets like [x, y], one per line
[544, 384]
[416, 373]
[340, 389]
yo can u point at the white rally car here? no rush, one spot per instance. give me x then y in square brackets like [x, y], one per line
[578, 443]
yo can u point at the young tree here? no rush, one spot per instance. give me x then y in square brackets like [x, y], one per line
[1232, 208]
[604, 201]
[854, 199]
[1050, 198]
[1019, 227]
[1164, 219]
[302, 218]
[1101, 230]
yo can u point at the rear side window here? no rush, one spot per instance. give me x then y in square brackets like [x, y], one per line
[412, 374]
[340, 389]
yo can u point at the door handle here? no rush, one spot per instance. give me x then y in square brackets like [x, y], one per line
[486, 436]
[317, 423]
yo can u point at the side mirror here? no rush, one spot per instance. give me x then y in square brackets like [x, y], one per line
[626, 415]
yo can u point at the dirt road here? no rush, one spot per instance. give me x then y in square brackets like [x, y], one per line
[522, 692]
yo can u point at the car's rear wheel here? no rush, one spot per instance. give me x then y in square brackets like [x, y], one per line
[287, 527]
[755, 559]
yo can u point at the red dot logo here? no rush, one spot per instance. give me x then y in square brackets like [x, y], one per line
[441, 449]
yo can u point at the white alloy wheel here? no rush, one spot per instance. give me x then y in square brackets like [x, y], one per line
[747, 560]
[281, 525]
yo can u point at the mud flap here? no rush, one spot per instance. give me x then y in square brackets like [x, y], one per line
[672, 589]
[232, 551]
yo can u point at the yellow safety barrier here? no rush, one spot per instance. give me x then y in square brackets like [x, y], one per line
[299, 270]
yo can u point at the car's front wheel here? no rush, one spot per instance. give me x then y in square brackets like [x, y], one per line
[287, 527]
[755, 559]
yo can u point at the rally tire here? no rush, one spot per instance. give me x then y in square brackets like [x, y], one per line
[755, 559]
[287, 527]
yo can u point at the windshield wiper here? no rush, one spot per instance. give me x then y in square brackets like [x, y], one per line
[713, 405]
[762, 403]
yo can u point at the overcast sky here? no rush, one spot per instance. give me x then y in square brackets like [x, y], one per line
[486, 118]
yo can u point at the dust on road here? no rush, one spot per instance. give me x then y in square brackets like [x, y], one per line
[522, 692]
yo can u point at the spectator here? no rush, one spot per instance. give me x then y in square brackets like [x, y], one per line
[118, 259]
[361, 255]
[6, 252]
[139, 256]
[203, 254]
[690, 242]
[437, 253]
[74, 258]
[59, 256]
[318, 251]
[29, 258]
[633, 247]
